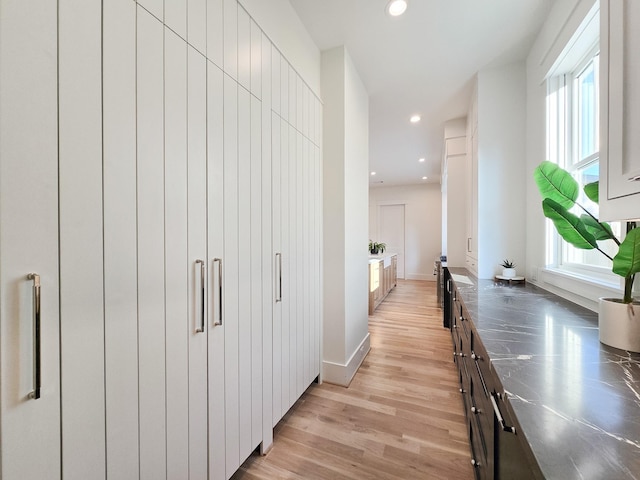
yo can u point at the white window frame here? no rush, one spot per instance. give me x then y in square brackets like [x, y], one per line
[561, 148]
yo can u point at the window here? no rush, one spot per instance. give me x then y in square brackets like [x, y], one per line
[573, 142]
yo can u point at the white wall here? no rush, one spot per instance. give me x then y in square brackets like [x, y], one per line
[346, 163]
[423, 224]
[502, 176]
[285, 29]
[563, 20]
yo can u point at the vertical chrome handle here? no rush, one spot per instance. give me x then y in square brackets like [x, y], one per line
[279, 285]
[219, 261]
[35, 394]
[200, 329]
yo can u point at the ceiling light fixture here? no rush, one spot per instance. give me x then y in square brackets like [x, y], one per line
[396, 7]
[421, 160]
[373, 173]
[424, 178]
[415, 118]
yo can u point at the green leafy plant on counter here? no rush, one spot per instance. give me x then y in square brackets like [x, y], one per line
[508, 264]
[560, 191]
[375, 247]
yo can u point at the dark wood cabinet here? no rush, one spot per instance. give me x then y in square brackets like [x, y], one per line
[498, 447]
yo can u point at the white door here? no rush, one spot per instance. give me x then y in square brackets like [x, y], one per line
[391, 232]
[29, 426]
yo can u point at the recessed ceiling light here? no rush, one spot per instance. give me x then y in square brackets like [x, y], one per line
[424, 178]
[396, 7]
[414, 118]
[373, 173]
[421, 160]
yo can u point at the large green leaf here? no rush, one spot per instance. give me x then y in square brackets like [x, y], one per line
[601, 231]
[569, 226]
[627, 261]
[592, 191]
[556, 184]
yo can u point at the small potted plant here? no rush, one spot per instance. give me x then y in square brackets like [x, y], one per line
[375, 247]
[508, 269]
[618, 318]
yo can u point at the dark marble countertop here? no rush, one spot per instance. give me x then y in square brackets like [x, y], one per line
[576, 400]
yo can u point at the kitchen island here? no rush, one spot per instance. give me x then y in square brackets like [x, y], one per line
[544, 398]
[383, 277]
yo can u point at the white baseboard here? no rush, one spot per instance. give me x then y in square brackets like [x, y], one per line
[343, 374]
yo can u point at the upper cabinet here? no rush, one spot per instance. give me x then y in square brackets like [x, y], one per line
[620, 110]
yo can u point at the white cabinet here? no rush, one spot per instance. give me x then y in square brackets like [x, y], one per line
[620, 110]
[81, 240]
[196, 264]
[180, 275]
[151, 246]
[216, 264]
[472, 184]
[457, 192]
[149, 179]
[120, 239]
[29, 427]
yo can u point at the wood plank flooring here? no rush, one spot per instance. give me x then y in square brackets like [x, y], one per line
[400, 419]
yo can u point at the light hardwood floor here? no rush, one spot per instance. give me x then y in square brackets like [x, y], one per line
[401, 417]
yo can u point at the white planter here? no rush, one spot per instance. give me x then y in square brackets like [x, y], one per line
[619, 324]
[509, 272]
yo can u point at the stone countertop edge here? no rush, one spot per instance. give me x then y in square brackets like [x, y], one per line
[576, 400]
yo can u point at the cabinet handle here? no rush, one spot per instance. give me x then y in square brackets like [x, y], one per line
[219, 262]
[499, 418]
[475, 410]
[37, 379]
[279, 289]
[476, 357]
[469, 244]
[200, 329]
[635, 178]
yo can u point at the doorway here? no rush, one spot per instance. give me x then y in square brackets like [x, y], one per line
[391, 232]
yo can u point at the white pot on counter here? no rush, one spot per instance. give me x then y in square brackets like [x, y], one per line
[509, 272]
[619, 324]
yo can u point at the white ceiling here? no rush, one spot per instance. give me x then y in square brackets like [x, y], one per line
[422, 62]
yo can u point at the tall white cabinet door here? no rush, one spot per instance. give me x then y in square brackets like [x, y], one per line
[268, 257]
[300, 280]
[285, 277]
[197, 325]
[81, 256]
[277, 261]
[293, 266]
[244, 271]
[231, 277]
[178, 269]
[216, 262]
[151, 229]
[258, 289]
[29, 428]
[120, 238]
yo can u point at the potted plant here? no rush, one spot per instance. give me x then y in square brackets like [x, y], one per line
[508, 269]
[375, 247]
[619, 319]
